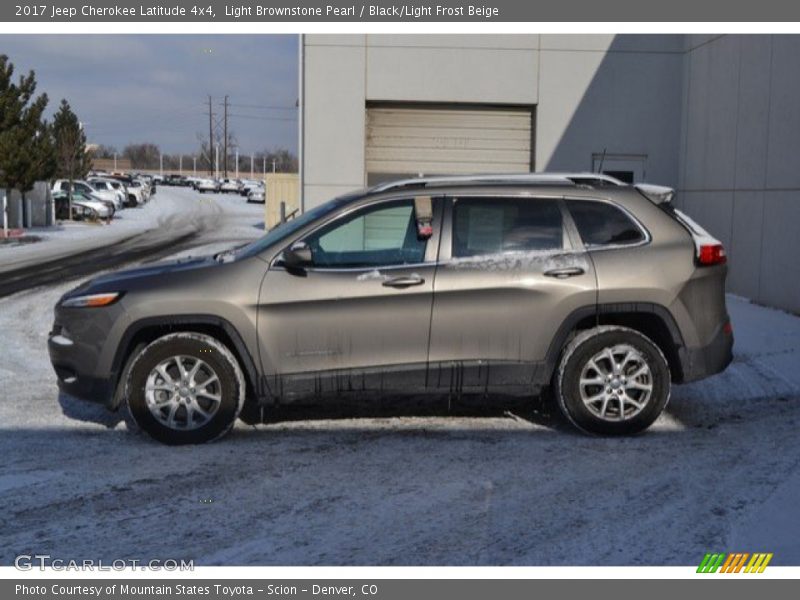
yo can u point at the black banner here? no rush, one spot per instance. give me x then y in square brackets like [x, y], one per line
[415, 11]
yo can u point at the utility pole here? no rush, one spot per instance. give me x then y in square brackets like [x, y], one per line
[216, 173]
[115, 162]
[161, 164]
[252, 158]
[225, 141]
[194, 166]
[180, 164]
[210, 136]
[265, 166]
[237, 163]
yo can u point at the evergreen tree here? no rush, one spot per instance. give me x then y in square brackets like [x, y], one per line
[26, 148]
[72, 159]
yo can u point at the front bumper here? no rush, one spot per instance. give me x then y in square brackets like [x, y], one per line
[74, 374]
[77, 348]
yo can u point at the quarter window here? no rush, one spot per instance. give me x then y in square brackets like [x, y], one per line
[603, 224]
[380, 235]
[497, 225]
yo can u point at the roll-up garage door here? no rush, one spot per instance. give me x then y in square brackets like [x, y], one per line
[445, 140]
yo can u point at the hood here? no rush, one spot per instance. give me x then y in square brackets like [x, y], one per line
[121, 281]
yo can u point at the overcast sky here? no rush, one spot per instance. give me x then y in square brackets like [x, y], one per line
[154, 88]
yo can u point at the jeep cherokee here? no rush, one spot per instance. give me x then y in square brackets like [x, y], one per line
[599, 291]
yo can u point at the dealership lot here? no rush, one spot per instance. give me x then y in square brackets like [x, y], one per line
[403, 482]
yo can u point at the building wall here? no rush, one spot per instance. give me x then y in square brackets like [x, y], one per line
[570, 78]
[715, 116]
[740, 158]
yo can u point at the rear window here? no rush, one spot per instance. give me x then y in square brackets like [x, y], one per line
[603, 224]
[497, 225]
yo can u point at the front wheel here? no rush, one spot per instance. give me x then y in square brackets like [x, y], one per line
[612, 381]
[185, 388]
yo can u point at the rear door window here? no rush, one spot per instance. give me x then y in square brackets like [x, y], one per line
[484, 226]
[603, 224]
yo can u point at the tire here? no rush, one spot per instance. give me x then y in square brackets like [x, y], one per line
[621, 405]
[179, 409]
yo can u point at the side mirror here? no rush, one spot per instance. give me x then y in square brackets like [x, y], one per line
[298, 256]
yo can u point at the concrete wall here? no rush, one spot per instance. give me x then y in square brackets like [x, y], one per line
[716, 116]
[39, 212]
[740, 158]
[634, 82]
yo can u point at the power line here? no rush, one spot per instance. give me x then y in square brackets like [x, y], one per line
[263, 106]
[263, 118]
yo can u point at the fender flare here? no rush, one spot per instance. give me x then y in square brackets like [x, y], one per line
[597, 312]
[176, 323]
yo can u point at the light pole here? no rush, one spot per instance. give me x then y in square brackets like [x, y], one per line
[115, 161]
[161, 164]
[194, 166]
[216, 162]
[252, 158]
[237, 163]
[180, 164]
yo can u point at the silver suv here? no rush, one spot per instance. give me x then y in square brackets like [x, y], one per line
[577, 283]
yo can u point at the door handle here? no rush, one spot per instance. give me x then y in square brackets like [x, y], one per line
[565, 272]
[403, 281]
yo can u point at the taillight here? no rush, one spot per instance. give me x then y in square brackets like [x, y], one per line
[711, 254]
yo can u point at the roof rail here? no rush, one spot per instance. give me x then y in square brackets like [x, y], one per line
[502, 178]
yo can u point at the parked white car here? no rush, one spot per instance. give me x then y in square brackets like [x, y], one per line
[248, 185]
[229, 185]
[105, 187]
[207, 185]
[140, 188]
[257, 195]
[62, 185]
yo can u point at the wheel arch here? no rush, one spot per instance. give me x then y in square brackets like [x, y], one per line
[142, 332]
[651, 320]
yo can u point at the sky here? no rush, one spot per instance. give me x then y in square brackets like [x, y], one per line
[154, 88]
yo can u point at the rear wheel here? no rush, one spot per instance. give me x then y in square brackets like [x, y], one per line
[612, 381]
[185, 388]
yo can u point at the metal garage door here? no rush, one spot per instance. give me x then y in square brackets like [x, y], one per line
[444, 140]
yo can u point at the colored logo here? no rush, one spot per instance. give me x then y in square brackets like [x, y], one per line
[735, 562]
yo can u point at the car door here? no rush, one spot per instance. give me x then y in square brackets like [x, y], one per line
[358, 318]
[511, 272]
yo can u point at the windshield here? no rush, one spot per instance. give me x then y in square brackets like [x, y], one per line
[285, 230]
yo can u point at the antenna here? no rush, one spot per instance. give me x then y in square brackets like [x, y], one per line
[602, 160]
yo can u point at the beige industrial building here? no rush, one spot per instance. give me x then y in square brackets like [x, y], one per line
[717, 117]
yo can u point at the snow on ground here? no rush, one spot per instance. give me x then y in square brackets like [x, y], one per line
[177, 210]
[407, 484]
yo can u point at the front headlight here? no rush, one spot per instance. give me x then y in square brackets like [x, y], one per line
[92, 300]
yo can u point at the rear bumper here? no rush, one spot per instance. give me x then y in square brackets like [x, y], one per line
[709, 360]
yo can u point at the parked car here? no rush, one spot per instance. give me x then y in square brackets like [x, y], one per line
[142, 187]
[130, 198]
[599, 291]
[249, 185]
[134, 193]
[175, 180]
[229, 185]
[207, 185]
[84, 208]
[109, 197]
[105, 186]
[256, 195]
